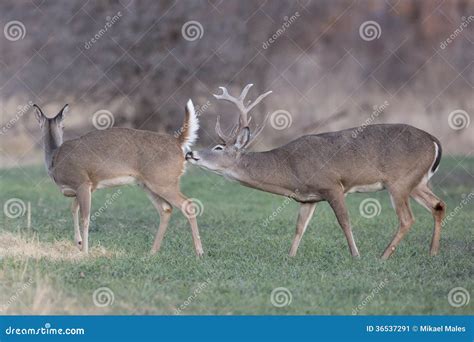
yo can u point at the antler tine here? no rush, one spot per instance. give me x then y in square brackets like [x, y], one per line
[259, 130]
[258, 100]
[244, 119]
[244, 92]
[219, 132]
[237, 101]
[224, 94]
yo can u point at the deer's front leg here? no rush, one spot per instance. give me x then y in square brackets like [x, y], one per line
[304, 216]
[338, 204]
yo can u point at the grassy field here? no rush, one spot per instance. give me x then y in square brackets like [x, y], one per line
[245, 258]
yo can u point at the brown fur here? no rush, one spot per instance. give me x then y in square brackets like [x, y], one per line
[327, 166]
[112, 157]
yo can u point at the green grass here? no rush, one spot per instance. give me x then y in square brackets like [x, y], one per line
[244, 259]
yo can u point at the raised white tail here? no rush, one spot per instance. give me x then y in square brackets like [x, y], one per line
[190, 128]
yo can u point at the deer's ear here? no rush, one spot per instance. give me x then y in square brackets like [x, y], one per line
[62, 113]
[242, 138]
[39, 115]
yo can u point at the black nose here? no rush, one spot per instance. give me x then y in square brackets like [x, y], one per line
[189, 155]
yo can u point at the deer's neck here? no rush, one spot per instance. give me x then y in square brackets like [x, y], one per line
[264, 171]
[52, 140]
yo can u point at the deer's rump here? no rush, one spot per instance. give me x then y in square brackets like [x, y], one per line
[370, 156]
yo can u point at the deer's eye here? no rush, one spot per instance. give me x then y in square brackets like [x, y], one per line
[218, 148]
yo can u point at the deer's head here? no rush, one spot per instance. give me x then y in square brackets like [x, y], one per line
[52, 127]
[225, 155]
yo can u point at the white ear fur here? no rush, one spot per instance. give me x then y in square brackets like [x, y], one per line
[39, 115]
[62, 113]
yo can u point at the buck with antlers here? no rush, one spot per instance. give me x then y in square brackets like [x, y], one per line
[119, 156]
[327, 166]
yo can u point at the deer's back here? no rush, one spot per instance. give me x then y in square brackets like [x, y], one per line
[117, 152]
[359, 156]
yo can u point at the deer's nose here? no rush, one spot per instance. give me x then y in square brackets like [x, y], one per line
[189, 155]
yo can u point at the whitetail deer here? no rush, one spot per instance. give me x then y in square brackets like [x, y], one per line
[118, 156]
[327, 166]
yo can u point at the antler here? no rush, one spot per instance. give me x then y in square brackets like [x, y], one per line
[223, 136]
[244, 119]
[239, 102]
[259, 129]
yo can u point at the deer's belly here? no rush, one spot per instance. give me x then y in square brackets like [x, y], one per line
[365, 188]
[107, 183]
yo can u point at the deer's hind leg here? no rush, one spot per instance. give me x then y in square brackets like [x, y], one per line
[172, 195]
[164, 210]
[400, 200]
[84, 196]
[423, 195]
[304, 216]
[75, 218]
